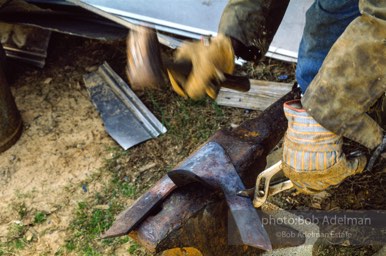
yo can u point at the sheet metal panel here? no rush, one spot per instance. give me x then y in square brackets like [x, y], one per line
[197, 18]
[187, 16]
[285, 43]
[127, 120]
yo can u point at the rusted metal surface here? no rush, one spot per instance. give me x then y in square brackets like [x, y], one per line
[10, 120]
[212, 165]
[196, 216]
[209, 165]
[131, 217]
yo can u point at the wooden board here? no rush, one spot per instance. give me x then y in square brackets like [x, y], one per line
[261, 95]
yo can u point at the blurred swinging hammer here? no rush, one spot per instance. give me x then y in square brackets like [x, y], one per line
[146, 69]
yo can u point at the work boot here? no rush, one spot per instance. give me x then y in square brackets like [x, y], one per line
[10, 119]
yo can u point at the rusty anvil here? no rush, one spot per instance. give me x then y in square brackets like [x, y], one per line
[165, 217]
[211, 167]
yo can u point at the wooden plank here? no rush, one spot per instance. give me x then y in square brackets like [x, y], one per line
[261, 95]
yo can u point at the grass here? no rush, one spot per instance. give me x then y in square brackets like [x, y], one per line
[15, 239]
[21, 209]
[91, 218]
[186, 121]
[95, 215]
[40, 217]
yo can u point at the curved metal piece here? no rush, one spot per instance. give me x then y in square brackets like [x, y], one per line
[141, 208]
[212, 165]
[184, 177]
[262, 184]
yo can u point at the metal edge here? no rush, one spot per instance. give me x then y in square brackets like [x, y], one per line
[163, 28]
[58, 2]
[281, 57]
[130, 22]
[19, 51]
[157, 21]
[169, 41]
[130, 99]
[102, 13]
[282, 54]
[36, 61]
[282, 51]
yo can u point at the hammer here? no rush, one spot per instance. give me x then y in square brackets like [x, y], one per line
[146, 68]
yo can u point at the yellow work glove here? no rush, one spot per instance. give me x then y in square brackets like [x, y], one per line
[312, 156]
[210, 60]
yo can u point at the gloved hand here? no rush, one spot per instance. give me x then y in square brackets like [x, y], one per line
[210, 60]
[312, 156]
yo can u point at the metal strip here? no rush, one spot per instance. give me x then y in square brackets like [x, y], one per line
[161, 23]
[25, 57]
[130, 99]
[129, 22]
[59, 2]
[33, 50]
[127, 120]
[162, 28]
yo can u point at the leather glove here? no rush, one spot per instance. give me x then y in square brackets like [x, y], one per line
[312, 156]
[210, 60]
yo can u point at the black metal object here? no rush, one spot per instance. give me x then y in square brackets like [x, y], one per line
[376, 153]
[213, 166]
[67, 19]
[10, 120]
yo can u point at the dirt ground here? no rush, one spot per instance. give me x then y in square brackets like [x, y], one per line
[58, 166]
[63, 143]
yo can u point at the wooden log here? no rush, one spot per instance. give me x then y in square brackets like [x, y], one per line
[261, 95]
[193, 216]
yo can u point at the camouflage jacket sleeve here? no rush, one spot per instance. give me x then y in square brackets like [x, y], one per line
[352, 78]
[252, 22]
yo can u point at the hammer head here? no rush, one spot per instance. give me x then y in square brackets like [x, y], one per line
[144, 64]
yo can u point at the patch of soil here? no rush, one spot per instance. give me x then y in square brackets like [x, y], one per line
[63, 141]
